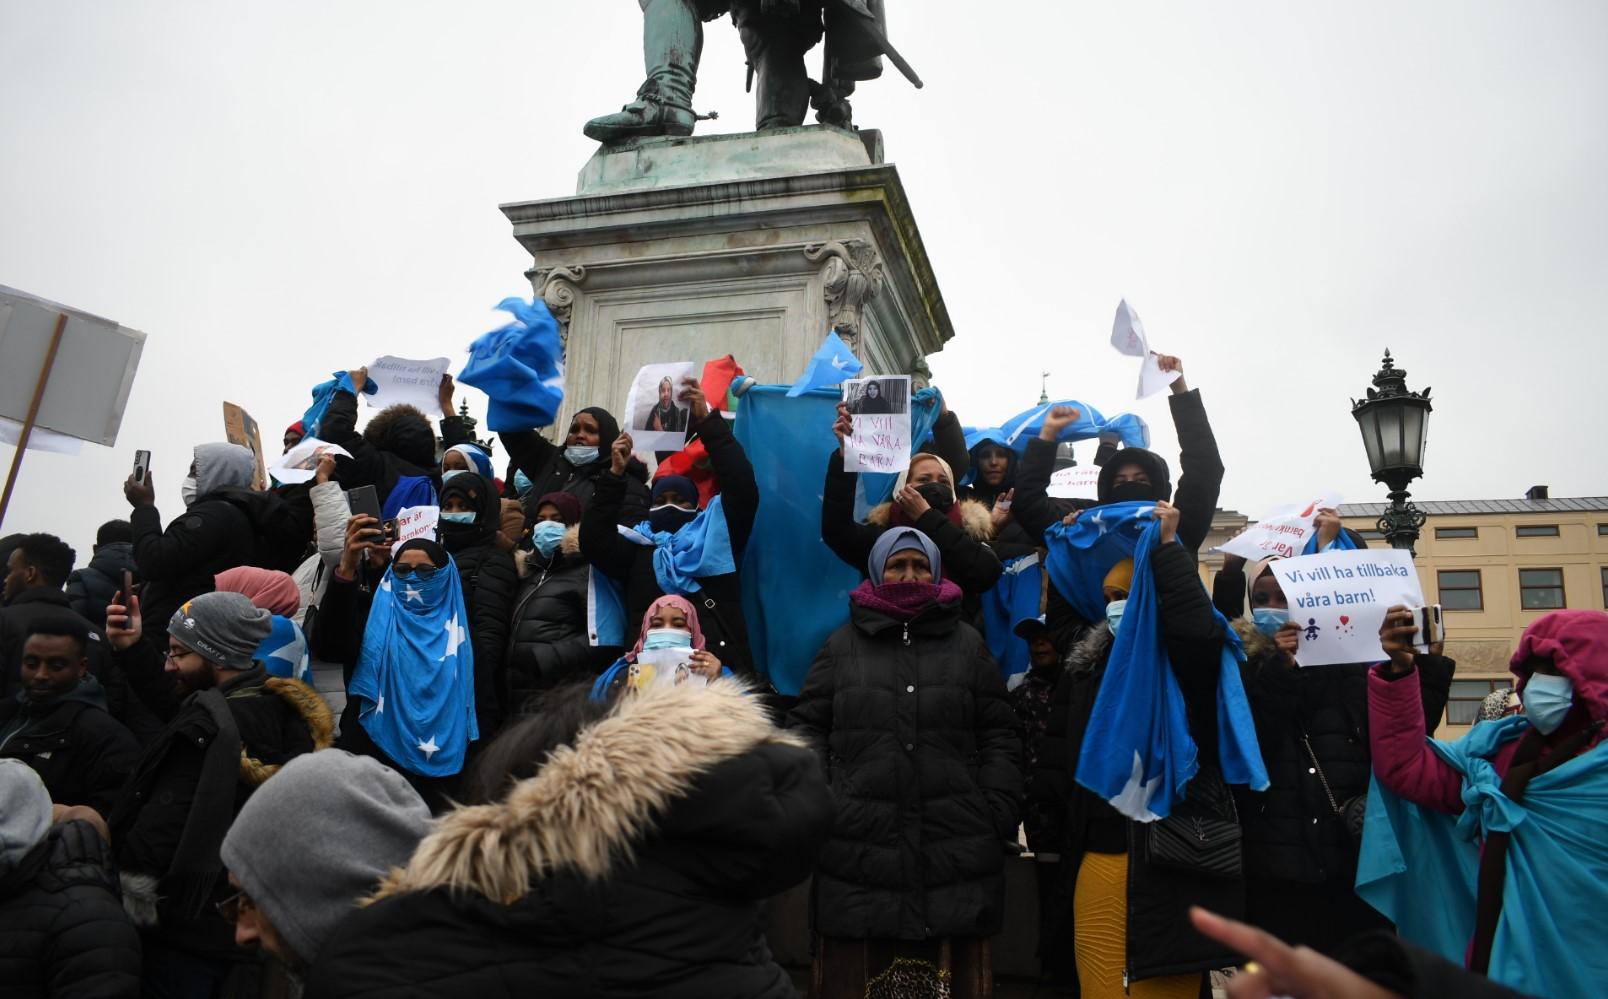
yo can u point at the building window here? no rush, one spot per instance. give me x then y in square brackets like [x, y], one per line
[1448, 533]
[1459, 589]
[1540, 589]
[1602, 530]
[1463, 706]
[1536, 531]
[1371, 535]
[1605, 587]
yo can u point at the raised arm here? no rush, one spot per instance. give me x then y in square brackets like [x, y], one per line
[601, 543]
[1200, 477]
[849, 539]
[1402, 758]
[949, 443]
[739, 493]
[1032, 507]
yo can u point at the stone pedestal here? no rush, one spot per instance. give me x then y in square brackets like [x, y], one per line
[753, 245]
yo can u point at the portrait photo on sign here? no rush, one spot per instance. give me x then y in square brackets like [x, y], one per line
[656, 418]
[877, 396]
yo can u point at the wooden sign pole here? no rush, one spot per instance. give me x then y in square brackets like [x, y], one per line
[33, 413]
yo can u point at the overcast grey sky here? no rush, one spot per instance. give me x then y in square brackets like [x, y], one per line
[272, 191]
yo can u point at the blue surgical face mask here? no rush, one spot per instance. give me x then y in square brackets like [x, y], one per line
[1547, 699]
[1270, 619]
[579, 454]
[449, 473]
[546, 535]
[463, 517]
[522, 484]
[1114, 611]
[666, 638]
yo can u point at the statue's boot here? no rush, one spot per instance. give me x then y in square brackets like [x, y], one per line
[672, 43]
[831, 102]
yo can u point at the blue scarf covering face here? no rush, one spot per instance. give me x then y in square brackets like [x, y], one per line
[1137, 752]
[698, 550]
[416, 673]
[1547, 941]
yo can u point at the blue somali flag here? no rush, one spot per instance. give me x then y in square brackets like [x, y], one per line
[520, 367]
[323, 393]
[1015, 432]
[1137, 752]
[1014, 599]
[833, 364]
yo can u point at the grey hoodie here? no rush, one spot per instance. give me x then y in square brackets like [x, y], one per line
[221, 465]
[25, 819]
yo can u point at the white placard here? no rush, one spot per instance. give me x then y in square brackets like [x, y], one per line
[1077, 482]
[879, 409]
[654, 417]
[90, 380]
[1128, 336]
[300, 463]
[40, 440]
[663, 668]
[1283, 532]
[416, 522]
[1339, 599]
[400, 381]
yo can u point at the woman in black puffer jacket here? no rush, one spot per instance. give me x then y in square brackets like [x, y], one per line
[550, 641]
[1312, 725]
[908, 709]
[471, 512]
[622, 849]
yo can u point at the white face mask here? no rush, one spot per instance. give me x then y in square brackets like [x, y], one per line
[187, 490]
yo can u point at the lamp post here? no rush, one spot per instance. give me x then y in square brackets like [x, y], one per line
[1394, 423]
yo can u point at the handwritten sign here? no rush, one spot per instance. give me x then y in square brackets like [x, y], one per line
[663, 668]
[399, 380]
[1077, 482]
[1339, 599]
[879, 409]
[1283, 532]
[416, 522]
[240, 428]
[300, 463]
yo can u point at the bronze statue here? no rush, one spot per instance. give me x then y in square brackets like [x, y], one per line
[775, 34]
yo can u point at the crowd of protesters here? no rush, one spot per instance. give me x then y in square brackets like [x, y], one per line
[507, 801]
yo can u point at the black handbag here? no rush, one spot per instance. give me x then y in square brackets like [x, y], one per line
[1202, 835]
[1353, 811]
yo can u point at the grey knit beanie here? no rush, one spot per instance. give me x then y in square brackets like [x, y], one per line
[317, 837]
[226, 628]
[25, 812]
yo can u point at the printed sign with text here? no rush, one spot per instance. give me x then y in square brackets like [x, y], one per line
[398, 380]
[1283, 532]
[879, 409]
[1339, 599]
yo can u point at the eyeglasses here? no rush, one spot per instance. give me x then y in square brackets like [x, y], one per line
[172, 654]
[234, 906]
[420, 573]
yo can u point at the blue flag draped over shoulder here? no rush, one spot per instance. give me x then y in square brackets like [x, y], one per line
[701, 548]
[1137, 752]
[520, 367]
[323, 393]
[415, 675]
[795, 591]
[1557, 856]
[833, 364]
[1014, 599]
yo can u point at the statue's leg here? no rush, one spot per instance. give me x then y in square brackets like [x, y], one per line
[775, 49]
[672, 42]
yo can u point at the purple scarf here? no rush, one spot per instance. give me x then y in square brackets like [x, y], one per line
[903, 601]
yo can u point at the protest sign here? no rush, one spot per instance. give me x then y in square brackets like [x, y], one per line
[240, 428]
[1283, 532]
[1128, 336]
[300, 463]
[655, 418]
[40, 440]
[416, 522]
[400, 381]
[1339, 599]
[1077, 482]
[880, 411]
[663, 668]
[87, 387]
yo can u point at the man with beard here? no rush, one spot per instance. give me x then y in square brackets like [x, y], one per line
[230, 726]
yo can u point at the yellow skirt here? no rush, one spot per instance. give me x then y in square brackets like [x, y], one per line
[1100, 935]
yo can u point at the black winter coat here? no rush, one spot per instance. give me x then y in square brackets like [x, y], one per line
[395, 444]
[719, 599]
[1070, 820]
[922, 750]
[490, 585]
[1328, 706]
[17, 620]
[735, 813]
[543, 462]
[94, 586]
[968, 560]
[549, 643]
[81, 753]
[63, 934]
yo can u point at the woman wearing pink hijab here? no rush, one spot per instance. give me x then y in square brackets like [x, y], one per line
[284, 651]
[670, 622]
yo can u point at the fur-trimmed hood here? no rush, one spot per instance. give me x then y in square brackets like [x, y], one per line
[975, 519]
[312, 708]
[1256, 644]
[593, 801]
[569, 547]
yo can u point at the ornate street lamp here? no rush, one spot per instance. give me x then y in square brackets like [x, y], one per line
[1394, 424]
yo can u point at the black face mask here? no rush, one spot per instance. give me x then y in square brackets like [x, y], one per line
[1127, 492]
[670, 519]
[938, 495]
